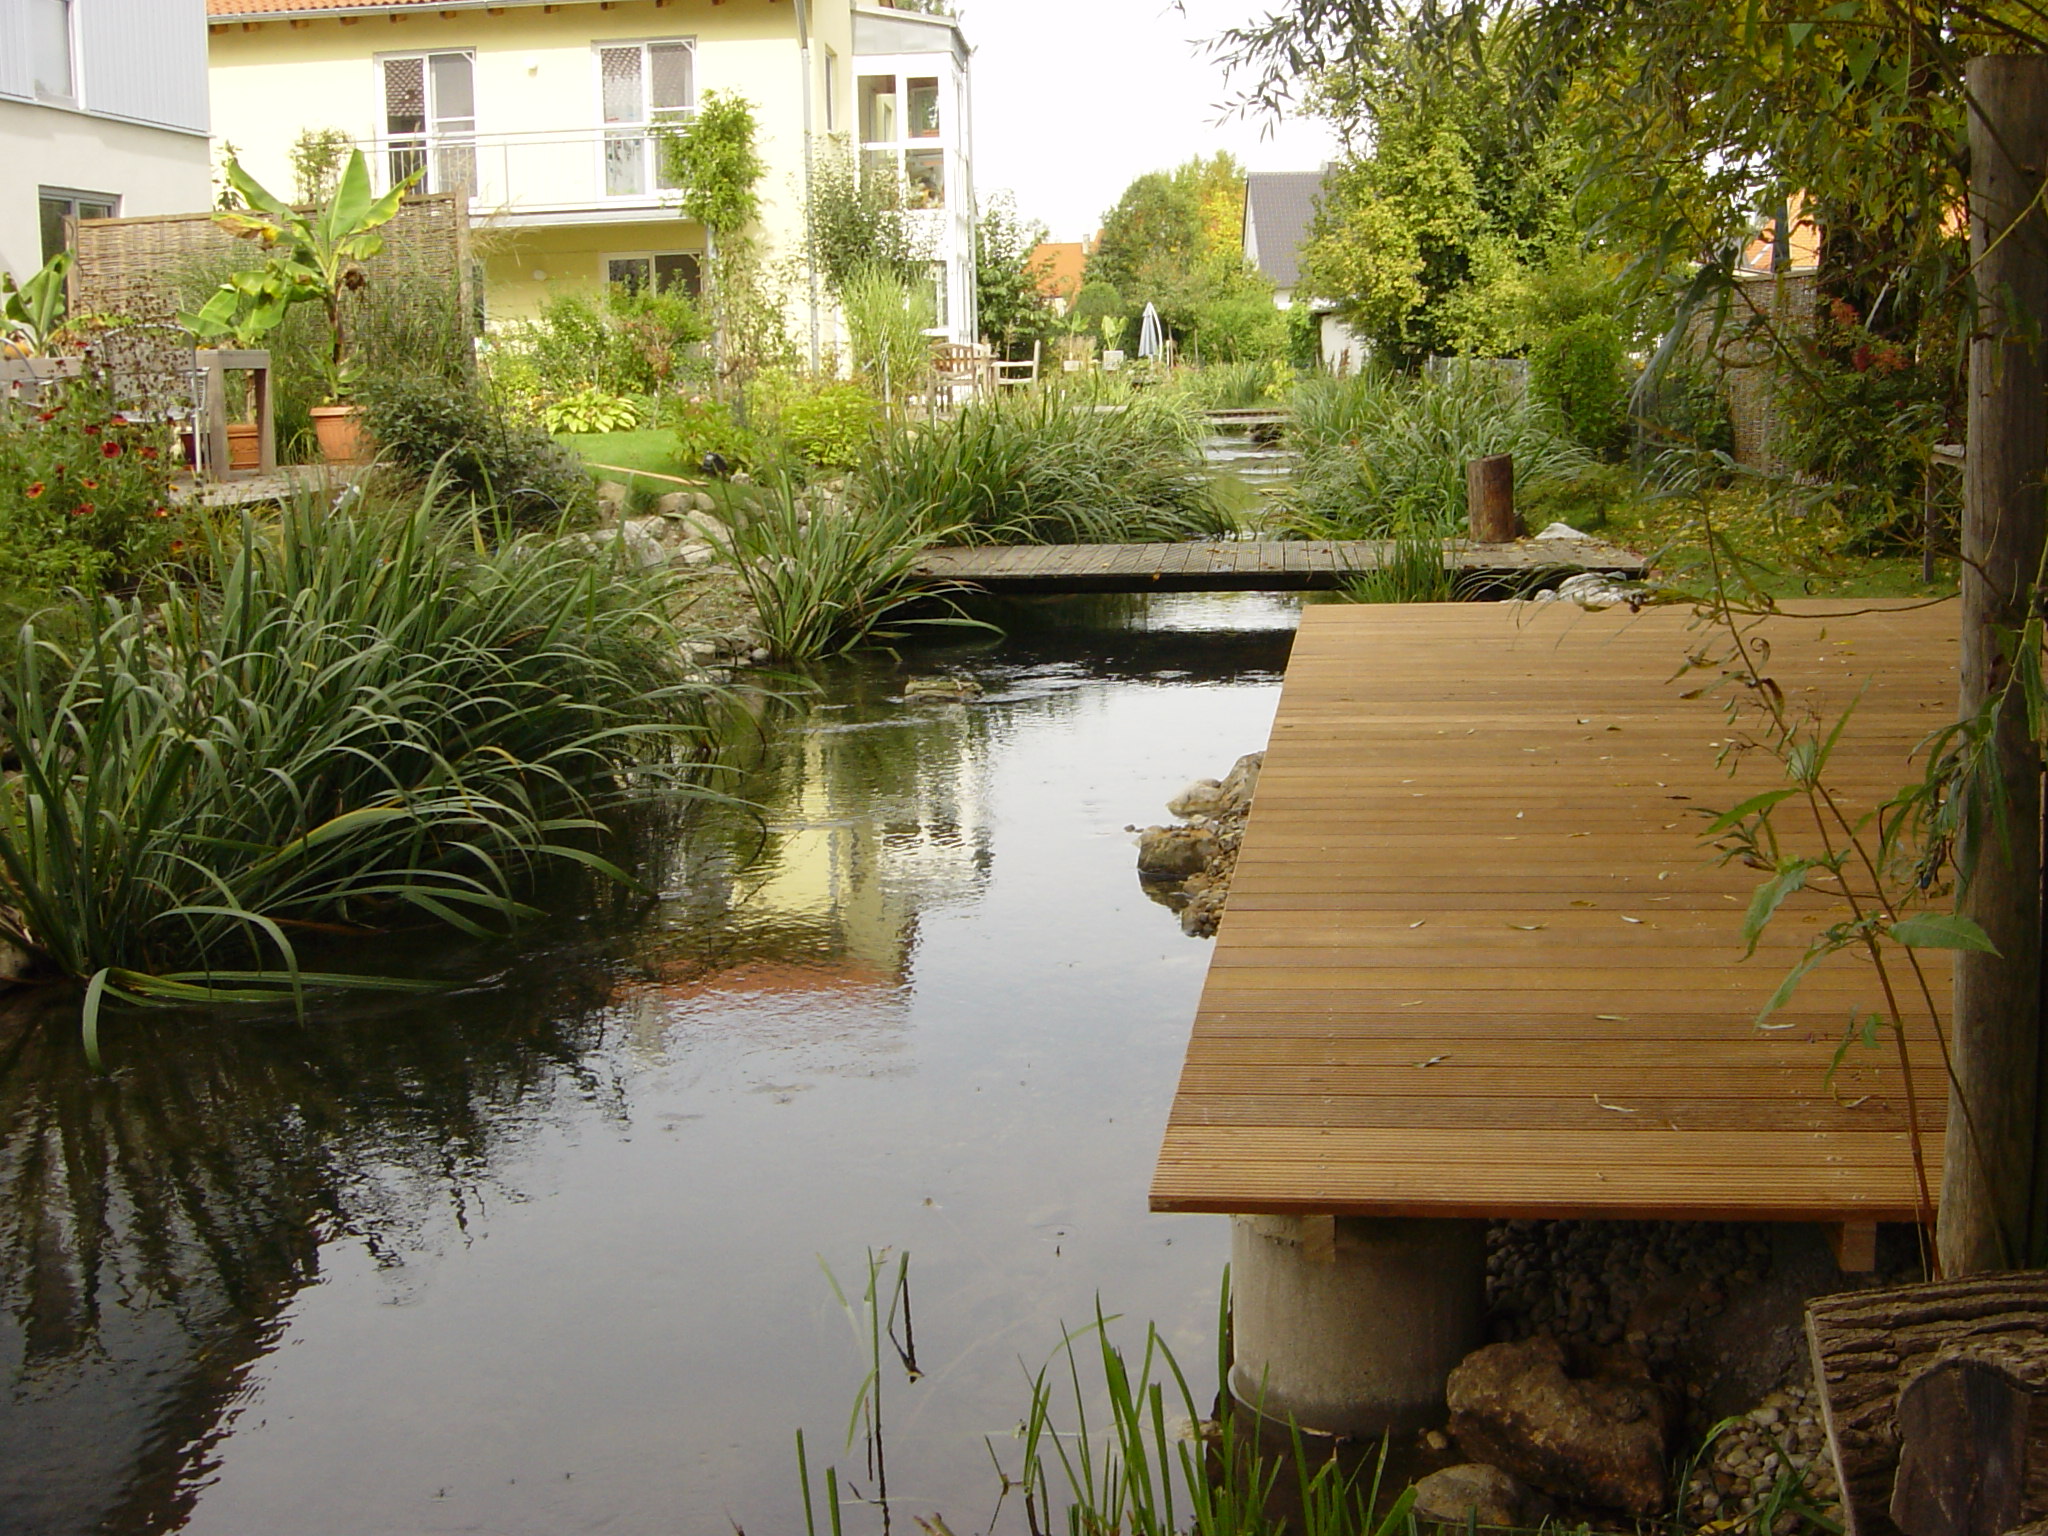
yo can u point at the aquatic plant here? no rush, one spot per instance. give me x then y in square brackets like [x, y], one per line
[824, 577]
[1160, 1465]
[1048, 466]
[377, 720]
[1380, 452]
[1412, 570]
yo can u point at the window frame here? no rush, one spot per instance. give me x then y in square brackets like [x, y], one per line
[430, 143]
[76, 96]
[646, 126]
[72, 197]
[604, 267]
[942, 143]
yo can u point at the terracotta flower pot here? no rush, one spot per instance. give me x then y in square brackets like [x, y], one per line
[245, 450]
[340, 431]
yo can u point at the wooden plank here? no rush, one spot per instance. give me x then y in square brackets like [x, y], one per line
[1478, 961]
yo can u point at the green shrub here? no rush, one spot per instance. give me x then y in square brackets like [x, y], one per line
[1047, 466]
[591, 410]
[85, 495]
[1683, 407]
[1239, 328]
[831, 427]
[376, 720]
[707, 426]
[887, 318]
[1385, 455]
[429, 431]
[1237, 386]
[1579, 370]
[621, 343]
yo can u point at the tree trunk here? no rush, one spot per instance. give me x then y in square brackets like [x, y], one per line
[1989, 1194]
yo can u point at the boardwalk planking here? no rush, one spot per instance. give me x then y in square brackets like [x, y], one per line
[1246, 565]
[1478, 963]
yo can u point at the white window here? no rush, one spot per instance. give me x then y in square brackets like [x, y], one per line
[903, 134]
[56, 204]
[643, 88]
[831, 91]
[430, 119]
[53, 49]
[942, 295]
[661, 271]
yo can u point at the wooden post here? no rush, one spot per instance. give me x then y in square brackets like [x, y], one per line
[1490, 499]
[1991, 1194]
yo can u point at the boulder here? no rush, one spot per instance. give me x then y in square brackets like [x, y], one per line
[1242, 781]
[611, 496]
[942, 686]
[1172, 853]
[642, 545]
[15, 963]
[1472, 1491]
[1204, 797]
[1599, 1439]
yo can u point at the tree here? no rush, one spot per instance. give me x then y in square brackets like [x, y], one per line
[714, 161]
[1007, 296]
[855, 221]
[1174, 241]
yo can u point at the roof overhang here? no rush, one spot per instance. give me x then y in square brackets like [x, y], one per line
[285, 11]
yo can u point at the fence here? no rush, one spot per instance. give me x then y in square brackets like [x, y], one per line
[126, 266]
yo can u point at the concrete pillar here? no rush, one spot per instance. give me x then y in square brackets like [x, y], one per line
[1351, 1325]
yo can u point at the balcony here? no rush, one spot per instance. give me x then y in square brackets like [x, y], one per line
[589, 175]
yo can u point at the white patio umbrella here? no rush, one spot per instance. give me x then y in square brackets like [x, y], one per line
[1151, 334]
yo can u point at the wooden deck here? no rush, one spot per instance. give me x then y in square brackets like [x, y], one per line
[1477, 964]
[1248, 566]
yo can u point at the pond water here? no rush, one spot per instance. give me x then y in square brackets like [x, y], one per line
[543, 1255]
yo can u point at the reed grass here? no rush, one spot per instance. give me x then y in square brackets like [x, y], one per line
[1413, 571]
[375, 720]
[1383, 454]
[1048, 466]
[825, 578]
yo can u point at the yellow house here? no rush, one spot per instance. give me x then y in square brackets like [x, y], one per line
[547, 114]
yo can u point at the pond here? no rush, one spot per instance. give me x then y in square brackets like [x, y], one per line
[544, 1255]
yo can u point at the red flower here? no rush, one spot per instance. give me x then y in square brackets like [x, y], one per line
[83, 509]
[1860, 359]
[110, 449]
[161, 512]
[148, 452]
[58, 471]
[89, 484]
[91, 429]
[34, 491]
[177, 546]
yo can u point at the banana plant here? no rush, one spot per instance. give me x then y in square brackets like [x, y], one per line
[315, 257]
[32, 310]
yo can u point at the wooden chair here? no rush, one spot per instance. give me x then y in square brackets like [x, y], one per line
[958, 366]
[1020, 371]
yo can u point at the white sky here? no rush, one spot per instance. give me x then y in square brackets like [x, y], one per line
[1073, 99]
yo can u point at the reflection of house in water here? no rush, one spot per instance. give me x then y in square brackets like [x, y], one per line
[866, 826]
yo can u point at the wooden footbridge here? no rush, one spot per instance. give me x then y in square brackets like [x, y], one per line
[1477, 961]
[1266, 565]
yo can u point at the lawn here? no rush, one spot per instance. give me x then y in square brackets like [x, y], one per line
[1793, 554]
[612, 455]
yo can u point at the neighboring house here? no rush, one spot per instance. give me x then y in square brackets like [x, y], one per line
[548, 115]
[102, 112]
[1279, 212]
[1061, 267]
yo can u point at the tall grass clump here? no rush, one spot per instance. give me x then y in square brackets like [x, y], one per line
[375, 721]
[1384, 454]
[1047, 466]
[1238, 386]
[887, 321]
[824, 577]
[1148, 1460]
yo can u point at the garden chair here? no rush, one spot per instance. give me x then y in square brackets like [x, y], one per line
[153, 374]
[959, 367]
[1020, 371]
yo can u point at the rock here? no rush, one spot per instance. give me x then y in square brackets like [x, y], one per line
[675, 504]
[1560, 531]
[1598, 1440]
[694, 553]
[1468, 1491]
[760, 655]
[700, 501]
[941, 687]
[1593, 589]
[612, 496]
[1172, 853]
[642, 547]
[15, 963]
[1204, 797]
[1243, 781]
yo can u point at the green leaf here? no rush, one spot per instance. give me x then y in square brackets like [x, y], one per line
[1942, 930]
[1763, 906]
[1779, 998]
[1750, 807]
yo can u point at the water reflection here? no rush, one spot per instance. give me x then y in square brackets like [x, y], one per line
[375, 1270]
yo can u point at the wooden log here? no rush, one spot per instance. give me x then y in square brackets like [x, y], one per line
[1490, 499]
[1965, 1449]
[1869, 1345]
[1991, 1195]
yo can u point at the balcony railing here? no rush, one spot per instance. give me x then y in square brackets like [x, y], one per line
[531, 172]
